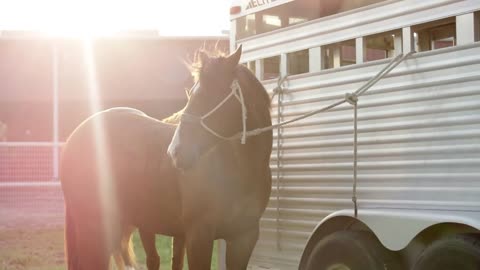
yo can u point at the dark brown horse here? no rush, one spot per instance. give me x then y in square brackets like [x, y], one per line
[116, 175]
[225, 184]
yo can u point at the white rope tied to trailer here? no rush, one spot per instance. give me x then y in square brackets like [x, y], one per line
[353, 100]
[279, 88]
[279, 92]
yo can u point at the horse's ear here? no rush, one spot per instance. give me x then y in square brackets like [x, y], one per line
[234, 58]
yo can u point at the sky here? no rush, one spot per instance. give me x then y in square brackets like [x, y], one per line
[103, 17]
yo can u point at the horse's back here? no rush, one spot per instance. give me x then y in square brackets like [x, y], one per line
[125, 151]
[122, 145]
[110, 116]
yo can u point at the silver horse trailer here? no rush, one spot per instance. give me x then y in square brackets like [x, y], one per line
[416, 181]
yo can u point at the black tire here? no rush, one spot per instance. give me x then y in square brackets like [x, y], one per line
[459, 252]
[351, 251]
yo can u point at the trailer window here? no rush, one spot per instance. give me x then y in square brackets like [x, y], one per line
[245, 26]
[339, 54]
[297, 62]
[382, 46]
[271, 67]
[270, 23]
[292, 13]
[435, 35]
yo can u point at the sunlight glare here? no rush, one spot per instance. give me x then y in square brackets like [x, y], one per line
[106, 183]
[93, 18]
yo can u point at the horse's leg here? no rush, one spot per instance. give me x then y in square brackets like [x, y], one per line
[148, 241]
[126, 256]
[199, 240]
[178, 252]
[239, 249]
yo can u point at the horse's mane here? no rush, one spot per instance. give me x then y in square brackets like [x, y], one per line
[195, 68]
[174, 118]
[199, 67]
[202, 59]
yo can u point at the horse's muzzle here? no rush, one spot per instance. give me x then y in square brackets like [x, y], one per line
[179, 158]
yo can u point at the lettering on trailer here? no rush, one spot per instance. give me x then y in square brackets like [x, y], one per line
[258, 3]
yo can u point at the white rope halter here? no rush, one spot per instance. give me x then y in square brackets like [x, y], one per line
[237, 93]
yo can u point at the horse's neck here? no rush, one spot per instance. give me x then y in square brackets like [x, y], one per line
[255, 154]
[253, 157]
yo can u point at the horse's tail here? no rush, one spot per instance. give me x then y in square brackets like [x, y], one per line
[130, 251]
[84, 248]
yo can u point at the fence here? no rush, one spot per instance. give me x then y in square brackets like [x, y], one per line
[30, 193]
[34, 162]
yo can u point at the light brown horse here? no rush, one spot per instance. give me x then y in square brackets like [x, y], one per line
[116, 175]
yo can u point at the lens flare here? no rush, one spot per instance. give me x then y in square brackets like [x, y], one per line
[106, 183]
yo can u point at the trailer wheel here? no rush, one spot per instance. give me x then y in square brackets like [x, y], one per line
[455, 252]
[347, 250]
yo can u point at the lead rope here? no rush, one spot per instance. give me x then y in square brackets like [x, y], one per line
[397, 60]
[353, 100]
[279, 92]
[355, 159]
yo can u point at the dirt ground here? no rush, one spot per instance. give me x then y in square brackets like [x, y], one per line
[36, 249]
[31, 228]
[31, 231]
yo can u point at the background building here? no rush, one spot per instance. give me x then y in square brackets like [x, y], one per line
[137, 70]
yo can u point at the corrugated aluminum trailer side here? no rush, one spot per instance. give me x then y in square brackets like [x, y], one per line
[418, 139]
[419, 158]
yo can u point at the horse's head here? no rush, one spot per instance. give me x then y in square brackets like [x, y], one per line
[213, 110]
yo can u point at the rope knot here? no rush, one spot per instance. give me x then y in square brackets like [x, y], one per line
[351, 98]
[279, 88]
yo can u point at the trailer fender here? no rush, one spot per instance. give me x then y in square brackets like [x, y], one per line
[394, 228]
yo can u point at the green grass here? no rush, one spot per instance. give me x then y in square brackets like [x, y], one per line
[164, 249]
[42, 249]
